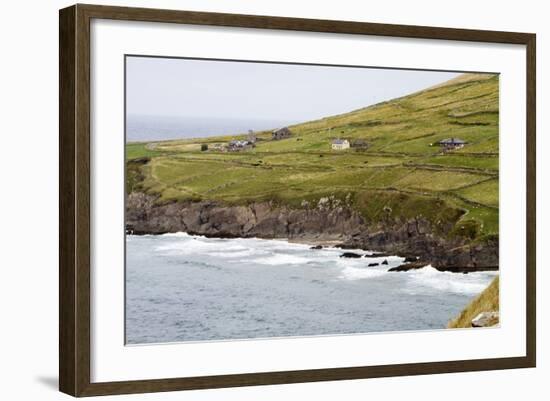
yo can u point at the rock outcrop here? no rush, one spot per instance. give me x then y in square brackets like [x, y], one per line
[486, 319]
[263, 220]
[408, 266]
[415, 238]
[350, 255]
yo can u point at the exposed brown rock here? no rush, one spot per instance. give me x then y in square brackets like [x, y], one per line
[409, 266]
[350, 255]
[327, 221]
[486, 319]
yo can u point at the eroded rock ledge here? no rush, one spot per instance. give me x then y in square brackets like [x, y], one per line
[414, 237]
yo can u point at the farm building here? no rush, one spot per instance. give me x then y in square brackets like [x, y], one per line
[251, 136]
[340, 144]
[238, 145]
[452, 143]
[359, 144]
[281, 133]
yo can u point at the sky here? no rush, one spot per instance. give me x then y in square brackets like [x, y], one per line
[203, 89]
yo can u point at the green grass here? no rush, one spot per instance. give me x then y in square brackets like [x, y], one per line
[135, 174]
[427, 180]
[486, 217]
[485, 193]
[462, 161]
[138, 150]
[403, 169]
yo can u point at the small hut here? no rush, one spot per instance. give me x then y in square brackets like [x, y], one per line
[281, 133]
[359, 144]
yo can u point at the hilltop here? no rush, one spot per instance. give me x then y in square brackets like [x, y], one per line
[372, 196]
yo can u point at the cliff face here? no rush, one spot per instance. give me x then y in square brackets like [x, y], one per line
[260, 220]
[414, 237]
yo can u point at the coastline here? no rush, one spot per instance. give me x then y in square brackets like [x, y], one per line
[416, 239]
[301, 291]
[408, 264]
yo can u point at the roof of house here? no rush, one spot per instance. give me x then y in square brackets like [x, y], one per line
[284, 129]
[452, 141]
[339, 141]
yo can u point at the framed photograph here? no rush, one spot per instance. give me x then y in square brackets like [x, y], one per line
[249, 200]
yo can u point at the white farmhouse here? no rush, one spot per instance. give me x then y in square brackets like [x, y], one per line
[340, 144]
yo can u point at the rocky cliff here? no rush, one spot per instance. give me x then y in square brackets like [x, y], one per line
[323, 222]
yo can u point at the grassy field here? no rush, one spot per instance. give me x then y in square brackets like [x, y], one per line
[487, 301]
[403, 174]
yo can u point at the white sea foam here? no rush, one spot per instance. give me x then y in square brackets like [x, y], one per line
[187, 245]
[359, 273]
[281, 252]
[245, 253]
[249, 287]
[281, 259]
[181, 234]
[429, 279]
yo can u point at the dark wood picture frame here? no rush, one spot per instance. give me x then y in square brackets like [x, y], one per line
[74, 200]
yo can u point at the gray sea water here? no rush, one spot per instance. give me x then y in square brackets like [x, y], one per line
[190, 288]
[156, 128]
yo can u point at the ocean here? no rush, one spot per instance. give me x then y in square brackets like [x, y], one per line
[155, 128]
[181, 287]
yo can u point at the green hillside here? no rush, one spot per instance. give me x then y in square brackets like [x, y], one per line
[487, 301]
[402, 174]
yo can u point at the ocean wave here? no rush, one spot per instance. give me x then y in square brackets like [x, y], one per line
[237, 253]
[199, 246]
[429, 279]
[181, 234]
[281, 260]
[358, 273]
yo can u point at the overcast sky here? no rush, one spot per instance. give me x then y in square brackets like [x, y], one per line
[227, 89]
